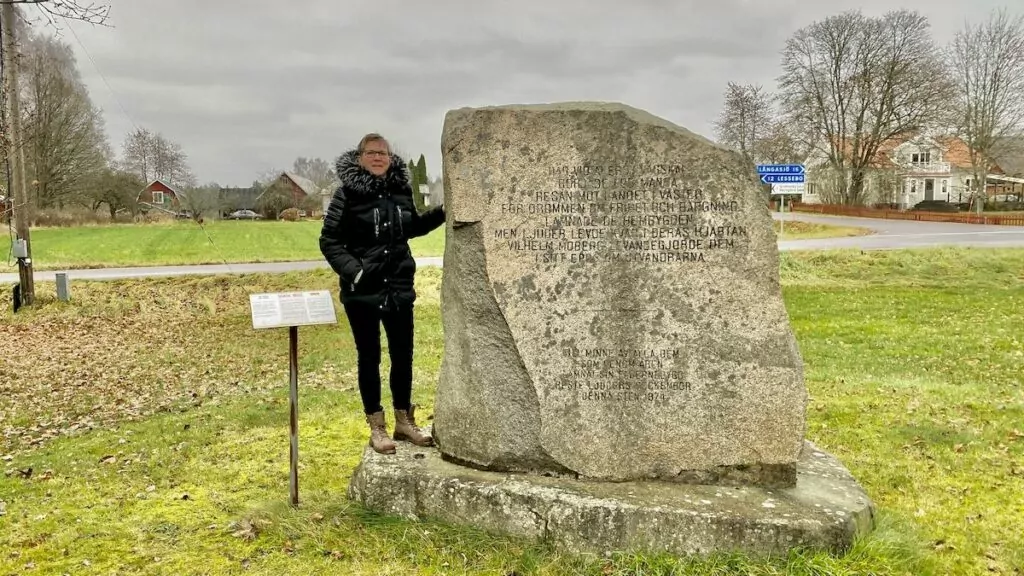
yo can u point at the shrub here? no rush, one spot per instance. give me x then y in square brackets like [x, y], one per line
[291, 215]
[76, 216]
[153, 216]
[936, 206]
[1004, 206]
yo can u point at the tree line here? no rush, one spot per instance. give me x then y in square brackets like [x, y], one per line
[68, 160]
[851, 83]
[71, 165]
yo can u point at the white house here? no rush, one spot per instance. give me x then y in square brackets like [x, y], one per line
[906, 171]
[434, 195]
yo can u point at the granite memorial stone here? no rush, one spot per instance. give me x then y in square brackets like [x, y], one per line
[612, 306]
[619, 370]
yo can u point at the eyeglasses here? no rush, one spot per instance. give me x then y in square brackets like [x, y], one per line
[375, 153]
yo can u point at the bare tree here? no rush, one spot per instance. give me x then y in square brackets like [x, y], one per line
[13, 145]
[151, 156]
[63, 130]
[779, 143]
[317, 170]
[856, 83]
[136, 156]
[51, 10]
[751, 123]
[202, 201]
[275, 198]
[987, 60]
[746, 116]
[116, 189]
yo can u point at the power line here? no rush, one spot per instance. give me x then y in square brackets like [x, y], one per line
[24, 293]
[100, 72]
[7, 166]
[137, 128]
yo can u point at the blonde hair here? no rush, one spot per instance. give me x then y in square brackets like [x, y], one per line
[372, 137]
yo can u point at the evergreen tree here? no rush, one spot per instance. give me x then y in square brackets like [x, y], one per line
[414, 179]
[421, 167]
[419, 176]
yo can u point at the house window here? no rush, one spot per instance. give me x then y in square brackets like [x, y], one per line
[158, 197]
[921, 158]
[945, 188]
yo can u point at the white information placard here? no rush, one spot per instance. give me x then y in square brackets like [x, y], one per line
[286, 309]
[779, 189]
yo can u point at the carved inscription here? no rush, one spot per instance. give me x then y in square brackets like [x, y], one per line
[618, 214]
[623, 375]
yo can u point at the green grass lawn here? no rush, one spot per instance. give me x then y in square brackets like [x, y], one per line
[185, 242]
[145, 429]
[794, 230]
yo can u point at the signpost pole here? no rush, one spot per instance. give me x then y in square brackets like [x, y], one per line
[293, 392]
[782, 177]
[782, 220]
[291, 310]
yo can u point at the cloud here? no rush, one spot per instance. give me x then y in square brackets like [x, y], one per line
[249, 86]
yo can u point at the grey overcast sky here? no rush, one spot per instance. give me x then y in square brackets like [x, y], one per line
[248, 86]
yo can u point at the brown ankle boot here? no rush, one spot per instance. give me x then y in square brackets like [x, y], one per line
[406, 429]
[379, 439]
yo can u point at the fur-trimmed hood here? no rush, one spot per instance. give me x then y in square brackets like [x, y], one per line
[356, 178]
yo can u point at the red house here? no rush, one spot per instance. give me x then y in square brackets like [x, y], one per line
[300, 188]
[159, 194]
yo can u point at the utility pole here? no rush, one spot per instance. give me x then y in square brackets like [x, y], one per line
[19, 192]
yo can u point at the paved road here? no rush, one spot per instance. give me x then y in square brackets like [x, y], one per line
[204, 269]
[897, 234]
[888, 235]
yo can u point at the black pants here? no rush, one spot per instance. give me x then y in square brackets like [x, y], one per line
[365, 321]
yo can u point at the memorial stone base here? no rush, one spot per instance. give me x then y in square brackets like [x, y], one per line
[825, 510]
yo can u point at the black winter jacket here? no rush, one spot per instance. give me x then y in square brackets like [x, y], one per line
[366, 231]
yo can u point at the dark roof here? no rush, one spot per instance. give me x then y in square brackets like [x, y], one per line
[305, 184]
[1009, 154]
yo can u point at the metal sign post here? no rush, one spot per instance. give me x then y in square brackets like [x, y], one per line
[293, 413]
[785, 179]
[291, 310]
[781, 173]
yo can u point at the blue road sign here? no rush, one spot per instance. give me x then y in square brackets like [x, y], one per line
[782, 178]
[780, 169]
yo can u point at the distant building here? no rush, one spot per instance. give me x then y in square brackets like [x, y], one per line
[434, 195]
[160, 195]
[302, 189]
[909, 170]
[1009, 154]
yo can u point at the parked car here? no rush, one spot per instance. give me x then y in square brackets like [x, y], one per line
[243, 215]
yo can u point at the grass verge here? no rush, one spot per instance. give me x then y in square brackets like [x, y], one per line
[146, 431]
[796, 230]
[185, 242]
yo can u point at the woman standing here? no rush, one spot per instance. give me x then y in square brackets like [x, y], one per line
[365, 240]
